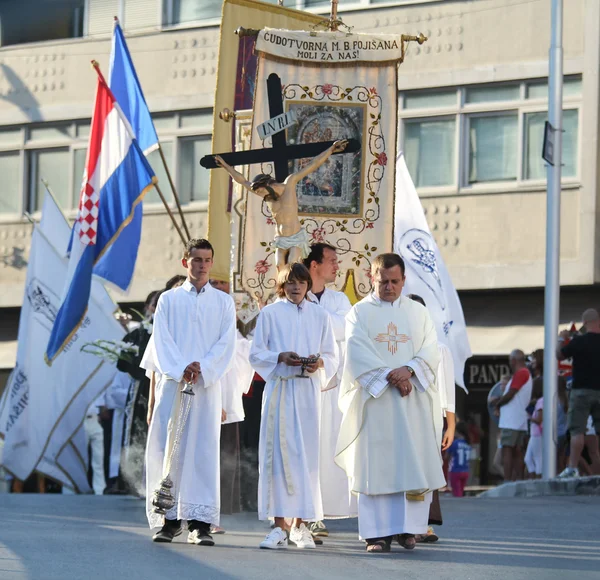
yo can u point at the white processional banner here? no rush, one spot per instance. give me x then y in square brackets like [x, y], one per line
[348, 202]
[426, 273]
[44, 409]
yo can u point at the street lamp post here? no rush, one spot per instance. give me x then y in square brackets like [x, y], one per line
[552, 289]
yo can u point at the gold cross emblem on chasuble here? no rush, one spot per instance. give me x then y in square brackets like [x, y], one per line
[392, 338]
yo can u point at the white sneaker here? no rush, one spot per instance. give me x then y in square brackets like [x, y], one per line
[568, 473]
[276, 539]
[302, 537]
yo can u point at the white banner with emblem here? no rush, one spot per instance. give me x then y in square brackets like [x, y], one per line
[426, 272]
[43, 408]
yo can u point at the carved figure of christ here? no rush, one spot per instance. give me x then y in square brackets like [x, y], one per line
[291, 241]
[281, 193]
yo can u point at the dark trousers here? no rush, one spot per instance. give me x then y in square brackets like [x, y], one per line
[192, 525]
[230, 469]
[249, 439]
[435, 510]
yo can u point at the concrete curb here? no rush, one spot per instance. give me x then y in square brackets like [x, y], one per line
[540, 487]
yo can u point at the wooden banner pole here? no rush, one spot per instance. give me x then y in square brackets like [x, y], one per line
[162, 198]
[175, 196]
[333, 26]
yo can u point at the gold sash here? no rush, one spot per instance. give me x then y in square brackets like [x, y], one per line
[277, 400]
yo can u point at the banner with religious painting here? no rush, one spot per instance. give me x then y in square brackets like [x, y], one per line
[235, 91]
[333, 86]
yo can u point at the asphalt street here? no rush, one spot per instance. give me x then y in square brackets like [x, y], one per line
[53, 537]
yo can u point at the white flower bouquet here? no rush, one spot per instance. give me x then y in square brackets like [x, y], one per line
[111, 350]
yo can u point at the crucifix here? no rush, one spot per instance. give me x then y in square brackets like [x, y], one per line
[280, 153]
[279, 192]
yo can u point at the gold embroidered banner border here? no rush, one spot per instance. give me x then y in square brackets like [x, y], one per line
[335, 102]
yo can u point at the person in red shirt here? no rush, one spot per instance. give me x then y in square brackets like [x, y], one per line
[512, 409]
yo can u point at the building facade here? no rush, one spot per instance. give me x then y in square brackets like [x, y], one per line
[473, 101]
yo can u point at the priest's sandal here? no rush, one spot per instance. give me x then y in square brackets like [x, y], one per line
[378, 545]
[407, 541]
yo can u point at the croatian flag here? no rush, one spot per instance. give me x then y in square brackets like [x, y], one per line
[116, 178]
[125, 86]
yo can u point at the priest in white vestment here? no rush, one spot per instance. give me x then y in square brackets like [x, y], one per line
[338, 502]
[287, 330]
[387, 443]
[193, 341]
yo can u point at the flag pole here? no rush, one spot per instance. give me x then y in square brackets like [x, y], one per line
[54, 199]
[552, 289]
[333, 19]
[96, 66]
[162, 198]
[175, 196]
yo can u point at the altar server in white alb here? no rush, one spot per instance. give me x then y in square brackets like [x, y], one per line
[234, 385]
[338, 502]
[387, 443]
[286, 331]
[193, 341]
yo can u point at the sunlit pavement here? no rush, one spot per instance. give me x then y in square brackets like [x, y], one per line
[50, 537]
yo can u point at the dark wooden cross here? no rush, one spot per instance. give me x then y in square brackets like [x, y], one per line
[280, 153]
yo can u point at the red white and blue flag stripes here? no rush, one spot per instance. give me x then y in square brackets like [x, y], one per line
[125, 86]
[116, 178]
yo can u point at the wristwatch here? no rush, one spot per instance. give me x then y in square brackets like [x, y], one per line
[411, 371]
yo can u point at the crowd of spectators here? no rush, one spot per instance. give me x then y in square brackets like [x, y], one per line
[520, 408]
